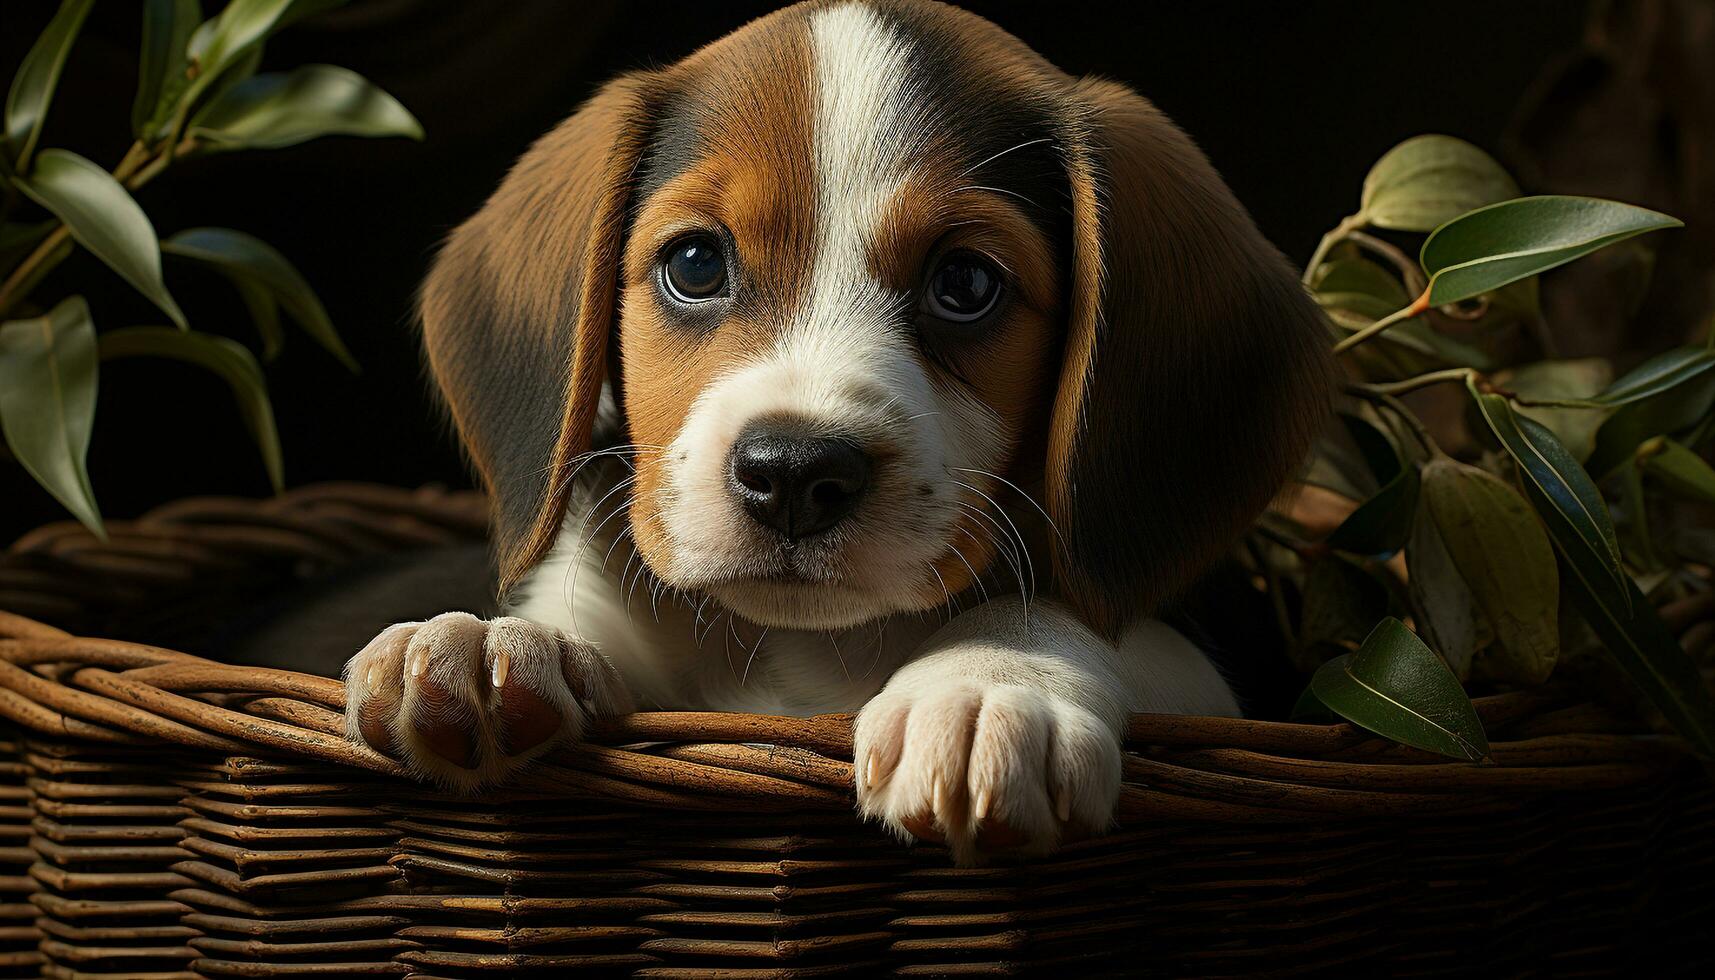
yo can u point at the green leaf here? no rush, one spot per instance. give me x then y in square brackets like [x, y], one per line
[103, 218]
[274, 110]
[1503, 554]
[161, 78]
[1679, 470]
[1563, 494]
[1569, 381]
[265, 313]
[226, 38]
[1437, 350]
[302, 9]
[1643, 645]
[1381, 524]
[38, 76]
[249, 260]
[1369, 292]
[1398, 688]
[1665, 394]
[1659, 374]
[1429, 180]
[1337, 464]
[47, 402]
[1503, 243]
[1341, 603]
[229, 359]
[241, 68]
[1308, 710]
[1449, 619]
[1361, 277]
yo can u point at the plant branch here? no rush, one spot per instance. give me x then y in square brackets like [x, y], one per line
[1421, 381]
[1638, 530]
[1417, 308]
[50, 253]
[1408, 267]
[1292, 543]
[1374, 393]
[1341, 232]
[129, 163]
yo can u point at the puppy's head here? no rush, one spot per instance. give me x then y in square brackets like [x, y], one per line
[856, 274]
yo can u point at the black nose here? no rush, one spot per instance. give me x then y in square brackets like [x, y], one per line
[796, 484]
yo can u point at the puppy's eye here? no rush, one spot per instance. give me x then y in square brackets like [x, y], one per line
[962, 289]
[694, 269]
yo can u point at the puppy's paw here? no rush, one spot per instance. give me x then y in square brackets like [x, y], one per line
[465, 701]
[987, 768]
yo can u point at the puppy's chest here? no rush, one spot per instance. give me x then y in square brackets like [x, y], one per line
[683, 652]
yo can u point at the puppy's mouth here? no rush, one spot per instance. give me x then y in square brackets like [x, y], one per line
[791, 601]
[802, 585]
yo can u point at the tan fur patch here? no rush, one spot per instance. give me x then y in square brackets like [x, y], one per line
[754, 182]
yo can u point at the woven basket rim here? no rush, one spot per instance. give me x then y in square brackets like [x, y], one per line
[126, 693]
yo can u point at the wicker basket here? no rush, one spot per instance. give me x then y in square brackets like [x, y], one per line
[167, 816]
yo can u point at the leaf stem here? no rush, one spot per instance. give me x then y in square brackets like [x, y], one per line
[50, 253]
[1421, 381]
[1341, 232]
[1638, 529]
[1381, 397]
[129, 163]
[1276, 601]
[1408, 268]
[1418, 307]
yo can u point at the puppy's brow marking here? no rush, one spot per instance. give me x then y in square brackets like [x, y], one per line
[862, 141]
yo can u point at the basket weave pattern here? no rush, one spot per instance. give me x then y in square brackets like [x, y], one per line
[164, 815]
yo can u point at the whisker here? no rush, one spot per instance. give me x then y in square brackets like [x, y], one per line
[581, 460]
[621, 536]
[726, 641]
[976, 580]
[642, 570]
[1010, 534]
[952, 603]
[1023, 548]
[569, 584]
[979, 543]
[1064, 547]
[697, 619]
[973, 168]
[996, 190]
[836, 645]
[1002, 542]
[752, 658]
[880, 634]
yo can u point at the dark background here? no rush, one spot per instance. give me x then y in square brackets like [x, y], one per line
[1292, 101]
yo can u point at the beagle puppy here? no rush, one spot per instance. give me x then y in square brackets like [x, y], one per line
[860, 361]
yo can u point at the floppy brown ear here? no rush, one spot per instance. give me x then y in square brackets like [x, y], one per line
[1195, 368]
[518, 308]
